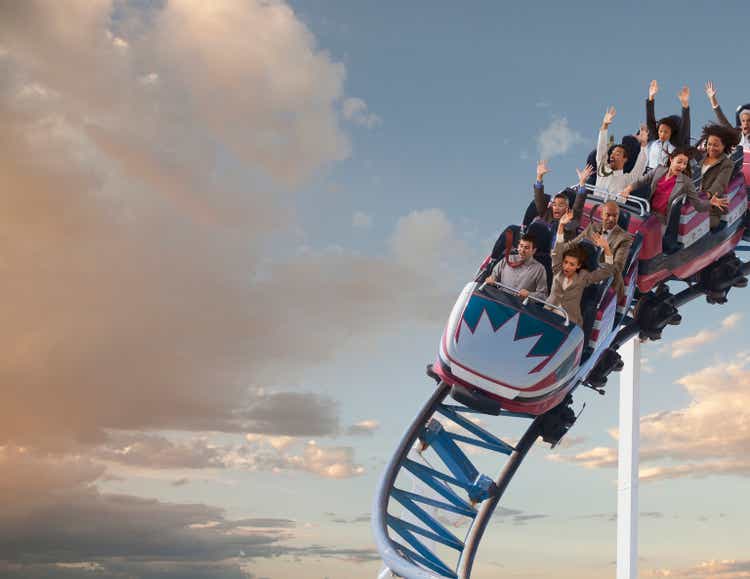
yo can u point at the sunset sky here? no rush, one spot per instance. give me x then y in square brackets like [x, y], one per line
[231, 233]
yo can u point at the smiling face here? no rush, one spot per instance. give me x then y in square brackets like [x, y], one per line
[745, 122]
[678, 164]
[570, 266]
[714, 147]
[665, 132]
[618, 158]
[559, 207]
[525, 249]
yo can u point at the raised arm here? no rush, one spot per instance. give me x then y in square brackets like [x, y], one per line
[653, 88]
[638, 183]
[539, 199]
[711, 94]
[684, 136]
[641, 160]
[580, 201]
[601, 144]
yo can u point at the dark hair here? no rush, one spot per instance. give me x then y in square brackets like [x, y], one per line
[578, 253]
[619, 146]
[689, 152]
[673, 125]
[562, 195]
[530, 238]
[729, 136]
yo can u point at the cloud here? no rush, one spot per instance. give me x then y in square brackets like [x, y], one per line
[263, 453]
[712, 569]
[557, 139]
[361, 220]
[363, 427]
[355, 110]
[699, 440]
[690, 344]
[426, 242]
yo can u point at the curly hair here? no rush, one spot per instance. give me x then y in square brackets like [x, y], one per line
[728, 136]
[689, 152]
[578, 253]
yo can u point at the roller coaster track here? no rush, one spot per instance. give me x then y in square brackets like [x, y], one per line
[413, 526]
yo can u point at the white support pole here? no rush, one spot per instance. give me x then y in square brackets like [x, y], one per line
[627, 481]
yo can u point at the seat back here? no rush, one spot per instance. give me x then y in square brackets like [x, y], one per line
[507, 240]
[669, 242]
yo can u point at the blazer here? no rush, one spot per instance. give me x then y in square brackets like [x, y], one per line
[716, 178]
[683, 186]
[570, 297]
[619, 241]
[544, 212]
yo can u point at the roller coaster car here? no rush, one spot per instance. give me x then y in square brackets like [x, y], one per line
[499, 351]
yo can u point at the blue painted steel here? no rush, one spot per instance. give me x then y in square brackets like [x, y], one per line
[450, 412]
[432, 478]
[429, 560]
[468, 512]
[449, 452]
[452, 542]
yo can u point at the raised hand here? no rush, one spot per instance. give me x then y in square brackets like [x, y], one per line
[711, 94]
[684, 96]
[566, 218]
[601, 241]
[642, 136]
[583, 175]
[541, 170]
[720, 202]
[653, 88]
[608, 117]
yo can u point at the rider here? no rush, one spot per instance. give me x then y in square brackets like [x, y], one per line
[743, 114]
[613, 239]
[668, 183]
[716, 166]
[570, 278]
[610, 174]
[522, 272]
[550, 213]
[668, 133]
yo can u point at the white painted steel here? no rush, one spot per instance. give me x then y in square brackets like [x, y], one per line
[628, 448]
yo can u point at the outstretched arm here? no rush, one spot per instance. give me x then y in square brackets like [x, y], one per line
[580, 201]
[653, 88]
[642, 159]
[711, 94]
[539, 199]
[684, 136]
[601, 144]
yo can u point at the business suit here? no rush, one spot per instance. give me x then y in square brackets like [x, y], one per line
[683, 186]
[570, 297]
[619, 241]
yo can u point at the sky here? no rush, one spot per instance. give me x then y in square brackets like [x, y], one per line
[232, 233]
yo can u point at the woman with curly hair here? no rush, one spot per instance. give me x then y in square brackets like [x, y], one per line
[715, 165]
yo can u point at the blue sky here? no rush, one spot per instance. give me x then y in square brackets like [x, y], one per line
[233, 233]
